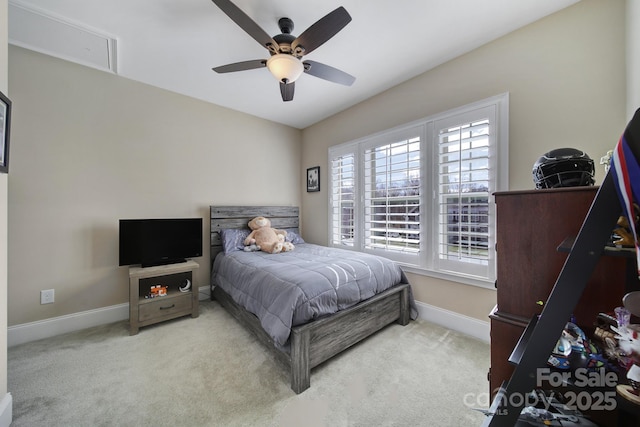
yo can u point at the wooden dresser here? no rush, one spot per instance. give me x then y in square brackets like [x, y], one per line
[530, 227]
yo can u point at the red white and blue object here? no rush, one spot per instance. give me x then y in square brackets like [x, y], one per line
[626, 175]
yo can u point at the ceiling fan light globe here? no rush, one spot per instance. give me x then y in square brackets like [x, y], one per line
[285, 68]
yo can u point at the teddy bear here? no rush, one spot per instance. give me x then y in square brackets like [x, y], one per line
[266, 238]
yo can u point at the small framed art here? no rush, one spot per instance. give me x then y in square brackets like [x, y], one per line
[5, 127]
[313, 179]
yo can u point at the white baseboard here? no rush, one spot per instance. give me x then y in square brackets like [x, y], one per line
[6, 410]
[455, 321]
[27, 332]
[33, 331]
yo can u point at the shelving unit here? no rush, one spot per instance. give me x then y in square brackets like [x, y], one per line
[539, 339]
[530, 226]
[532, 353]
[145, 311]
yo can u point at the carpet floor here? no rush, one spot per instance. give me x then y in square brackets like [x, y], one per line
[210, 371]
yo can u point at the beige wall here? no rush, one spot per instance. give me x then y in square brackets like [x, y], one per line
[90, 147]
[566, 79]
[4, 84]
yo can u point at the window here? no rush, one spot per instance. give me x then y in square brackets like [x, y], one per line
[343, 199]
[422, 193]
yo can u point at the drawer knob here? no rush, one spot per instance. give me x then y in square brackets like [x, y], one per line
[167, 308]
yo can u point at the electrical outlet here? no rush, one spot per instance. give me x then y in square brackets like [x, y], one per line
[47, 297]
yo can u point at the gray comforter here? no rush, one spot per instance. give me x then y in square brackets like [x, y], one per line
[292, 288]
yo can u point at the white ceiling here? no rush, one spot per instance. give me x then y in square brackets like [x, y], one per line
[173, 44]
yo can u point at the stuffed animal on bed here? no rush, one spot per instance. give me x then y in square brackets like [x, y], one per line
[266, 238]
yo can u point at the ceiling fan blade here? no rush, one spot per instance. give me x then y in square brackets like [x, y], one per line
[326, 72]
[286, 90]
[247, 24]
[322, 30]
[241, 66]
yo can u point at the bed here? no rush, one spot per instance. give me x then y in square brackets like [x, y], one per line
[322, 322]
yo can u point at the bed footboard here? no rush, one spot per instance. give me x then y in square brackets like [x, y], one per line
[317, 341]
[320, 340]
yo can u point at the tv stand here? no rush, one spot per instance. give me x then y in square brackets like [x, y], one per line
[145, 311]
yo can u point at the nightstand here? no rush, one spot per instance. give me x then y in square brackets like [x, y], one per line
[174, 302]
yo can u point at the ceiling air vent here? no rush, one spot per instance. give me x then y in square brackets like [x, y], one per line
[40, 31]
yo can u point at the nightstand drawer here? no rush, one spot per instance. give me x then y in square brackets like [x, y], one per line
[165, 306]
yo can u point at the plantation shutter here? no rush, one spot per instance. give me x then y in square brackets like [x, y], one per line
[392, 183]
[343, 199]
[465, 176]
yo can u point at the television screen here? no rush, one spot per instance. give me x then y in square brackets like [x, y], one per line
[159, 241]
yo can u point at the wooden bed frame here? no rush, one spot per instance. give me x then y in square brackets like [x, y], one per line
[319, 340]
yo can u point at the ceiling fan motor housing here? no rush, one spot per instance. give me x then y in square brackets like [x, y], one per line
[285, 39]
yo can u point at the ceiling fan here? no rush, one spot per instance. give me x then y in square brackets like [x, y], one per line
[286, 50]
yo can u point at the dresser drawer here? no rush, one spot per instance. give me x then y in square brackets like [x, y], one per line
[165, 306]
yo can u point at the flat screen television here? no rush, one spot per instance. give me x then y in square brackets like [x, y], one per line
[159, 241]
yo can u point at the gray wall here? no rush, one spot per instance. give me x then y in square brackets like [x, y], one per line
[91, 147]
[566, 79]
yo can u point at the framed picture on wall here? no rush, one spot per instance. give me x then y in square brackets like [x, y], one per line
[5, 127]
[313, 179]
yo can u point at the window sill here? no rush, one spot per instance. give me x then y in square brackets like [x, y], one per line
[408, 267]
[458, 278]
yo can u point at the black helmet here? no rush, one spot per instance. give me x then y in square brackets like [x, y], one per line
[563, 167]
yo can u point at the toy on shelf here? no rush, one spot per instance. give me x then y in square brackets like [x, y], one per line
[631, 391]
[157, 291]
[623, 232]
[574, 350]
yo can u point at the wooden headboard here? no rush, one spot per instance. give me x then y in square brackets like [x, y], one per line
[239, 216]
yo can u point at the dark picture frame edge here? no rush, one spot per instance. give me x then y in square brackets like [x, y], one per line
[5, 131]
[313, 179]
